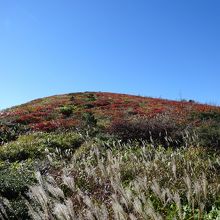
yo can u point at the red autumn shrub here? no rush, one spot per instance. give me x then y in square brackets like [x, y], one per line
[47, 126]
[28, 119]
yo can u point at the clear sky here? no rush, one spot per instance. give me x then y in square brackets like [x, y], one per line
[159, 48]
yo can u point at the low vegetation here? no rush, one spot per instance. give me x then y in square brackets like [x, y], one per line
[96, 163]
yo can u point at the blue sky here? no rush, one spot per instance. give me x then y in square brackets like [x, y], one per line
[159, 48]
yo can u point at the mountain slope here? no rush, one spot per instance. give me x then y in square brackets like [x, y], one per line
[110, 156]
[65, 111]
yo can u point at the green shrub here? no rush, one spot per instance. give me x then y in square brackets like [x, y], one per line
[15, 179]
[63, 141]
[72, 98]
[66, 110]
[88, 106]
[27, 146]
[209, 135]
[204, 116]
[89, 119]
[10, 131]
[34, 145]
[19, 210]
[90, 97]
[214, 213]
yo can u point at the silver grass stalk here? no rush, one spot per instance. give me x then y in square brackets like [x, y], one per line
[35, 214]
[201, 209]
[55, 191]
[138, 207]
[102, 168]
[150, 211]
[69, 206]
[204, 185]
[4, 202]
[64, 211]
[132, 217]
[169, 195]
[176, 198]
[197, 189]
[118, 211]
[189, 187]
[156, 189]
[39, 178]
[69, 181]
[174, 169]
[38, 194]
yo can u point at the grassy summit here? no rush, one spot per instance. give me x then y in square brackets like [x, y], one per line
[101, 156]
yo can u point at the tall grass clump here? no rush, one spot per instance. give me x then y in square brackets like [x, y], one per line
[131, 181]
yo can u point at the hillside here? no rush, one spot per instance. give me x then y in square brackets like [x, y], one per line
[98, 155]
[64, 111]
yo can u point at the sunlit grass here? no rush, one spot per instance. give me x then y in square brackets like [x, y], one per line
[131, 182]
